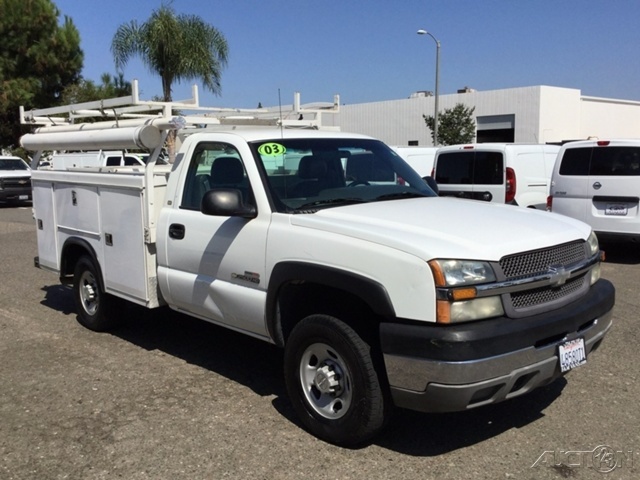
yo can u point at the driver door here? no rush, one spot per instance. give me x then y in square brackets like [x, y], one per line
[213, 267]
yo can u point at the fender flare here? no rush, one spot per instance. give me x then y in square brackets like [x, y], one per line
[66, 270]
[370, 291]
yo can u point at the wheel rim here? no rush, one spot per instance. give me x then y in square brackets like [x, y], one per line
[326, 381]
[89, 293]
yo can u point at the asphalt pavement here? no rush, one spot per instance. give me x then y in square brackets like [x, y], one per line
[170, 397]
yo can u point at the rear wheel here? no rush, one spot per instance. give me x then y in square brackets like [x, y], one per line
[332, 382]
[95, 307]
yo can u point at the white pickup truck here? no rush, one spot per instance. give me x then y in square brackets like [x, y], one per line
[330, 246]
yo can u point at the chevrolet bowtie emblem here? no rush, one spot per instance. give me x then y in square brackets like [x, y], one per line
[558, 275]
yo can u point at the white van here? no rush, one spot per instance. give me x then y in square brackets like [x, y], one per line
[420, 158]
[512, 173]
[101, 158]
[598, 182]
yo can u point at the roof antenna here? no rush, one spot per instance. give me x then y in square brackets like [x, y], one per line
[281, 121]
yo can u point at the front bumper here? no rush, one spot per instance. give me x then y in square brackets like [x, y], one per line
[438, 368]
[15, 194]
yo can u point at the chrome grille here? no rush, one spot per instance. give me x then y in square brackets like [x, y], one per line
[539, 296]
[539, 261]
[16, 182]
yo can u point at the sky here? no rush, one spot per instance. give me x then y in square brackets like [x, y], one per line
[369, 51]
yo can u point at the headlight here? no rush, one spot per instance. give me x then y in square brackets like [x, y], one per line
[452, 273]
[457, 299]
[592, 241]
[476, 309]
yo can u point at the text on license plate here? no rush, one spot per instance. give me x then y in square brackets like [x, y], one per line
[615, 209]
[572, 354]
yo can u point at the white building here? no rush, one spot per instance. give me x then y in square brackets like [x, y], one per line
[539, 114]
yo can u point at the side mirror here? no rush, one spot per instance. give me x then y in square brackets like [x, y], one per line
[226, 202]
[432, 184]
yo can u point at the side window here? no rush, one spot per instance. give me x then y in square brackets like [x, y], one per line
[113, 161]
[214, 165]
[575, 161]
[131, 161]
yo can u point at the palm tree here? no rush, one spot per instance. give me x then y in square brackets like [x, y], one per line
[114, 85]
[176, 47]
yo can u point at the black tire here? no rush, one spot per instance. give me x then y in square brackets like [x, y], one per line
[332, 383]
[95, 307]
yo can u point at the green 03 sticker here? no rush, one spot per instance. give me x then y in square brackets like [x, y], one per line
[271, 149]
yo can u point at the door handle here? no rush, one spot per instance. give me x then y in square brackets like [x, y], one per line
[176, 231]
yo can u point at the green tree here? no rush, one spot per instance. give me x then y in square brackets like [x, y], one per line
[455, 125]
[88, 90]
[39, 57]
[176, 47]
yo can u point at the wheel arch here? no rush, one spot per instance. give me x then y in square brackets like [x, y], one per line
[297, 289]
[72, 250]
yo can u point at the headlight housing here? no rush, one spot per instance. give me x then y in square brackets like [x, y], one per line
[592, 242]
[594, 249]
[453, 273]
[457, 299]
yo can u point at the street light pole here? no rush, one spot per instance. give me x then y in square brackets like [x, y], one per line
[435, 115]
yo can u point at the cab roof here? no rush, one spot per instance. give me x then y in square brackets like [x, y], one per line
[257, 134]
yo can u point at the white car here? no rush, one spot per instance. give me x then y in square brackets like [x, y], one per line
[512, 173]
[420, 158]
[15, 180]
[102, 158]
[598, 182]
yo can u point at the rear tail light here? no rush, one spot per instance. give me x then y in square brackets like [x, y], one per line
[510, 192]
[549, 203]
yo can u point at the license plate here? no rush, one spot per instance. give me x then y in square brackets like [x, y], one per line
[616, 210]
[23, 197]
[572, 354]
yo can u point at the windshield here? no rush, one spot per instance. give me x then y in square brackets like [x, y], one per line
[312, 173]
[13, 164]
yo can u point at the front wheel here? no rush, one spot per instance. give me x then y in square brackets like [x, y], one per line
[332, 382]
[95, 307]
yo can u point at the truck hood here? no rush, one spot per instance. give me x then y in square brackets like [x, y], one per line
[14, 173]
[447, 227]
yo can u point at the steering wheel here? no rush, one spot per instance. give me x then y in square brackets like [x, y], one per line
[355, 183]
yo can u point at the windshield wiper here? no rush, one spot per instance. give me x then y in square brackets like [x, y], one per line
[331, 201]
[394, 196]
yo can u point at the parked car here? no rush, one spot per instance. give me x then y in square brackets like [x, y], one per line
[598, 182]
[517, 174]
[163, 157]
[15, 180]
[102, 158]
[420, 158]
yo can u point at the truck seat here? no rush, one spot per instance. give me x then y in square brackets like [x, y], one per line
[312, 173]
